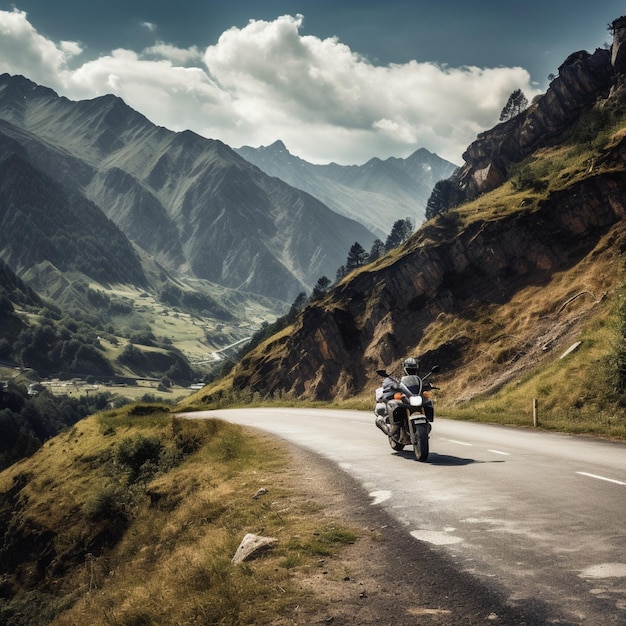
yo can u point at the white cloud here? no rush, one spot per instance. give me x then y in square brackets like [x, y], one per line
[181, 56]
[24, 51]
[266, 81]
[170, 95]
[70, 49]
[328, 102]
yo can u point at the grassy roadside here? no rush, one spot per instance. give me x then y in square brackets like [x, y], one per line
[133, 516]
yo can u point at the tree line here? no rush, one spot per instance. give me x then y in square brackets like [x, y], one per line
[358, 256]
[27, 421]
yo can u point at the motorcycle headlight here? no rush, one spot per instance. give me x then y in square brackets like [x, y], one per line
[415, 400]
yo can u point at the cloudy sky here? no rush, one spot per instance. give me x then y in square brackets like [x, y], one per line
[336, 81]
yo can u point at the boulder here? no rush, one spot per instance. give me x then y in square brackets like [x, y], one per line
[251, 546]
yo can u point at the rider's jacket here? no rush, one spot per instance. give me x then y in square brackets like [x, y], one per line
[389, 388]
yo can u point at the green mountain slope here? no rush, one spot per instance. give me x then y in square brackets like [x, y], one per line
[190, 202]
[41, 221]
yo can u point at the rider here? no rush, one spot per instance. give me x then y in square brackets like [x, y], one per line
[410, 366]
[389, 388]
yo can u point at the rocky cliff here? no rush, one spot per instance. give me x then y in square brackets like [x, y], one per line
[583, 79]
[385, 313]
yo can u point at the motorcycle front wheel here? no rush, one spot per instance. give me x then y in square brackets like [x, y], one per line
[420, 447]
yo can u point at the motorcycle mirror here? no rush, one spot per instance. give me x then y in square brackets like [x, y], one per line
[435, 369]
[382, 373]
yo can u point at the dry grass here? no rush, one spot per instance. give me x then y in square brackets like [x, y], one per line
[572, 391]
[152, 544]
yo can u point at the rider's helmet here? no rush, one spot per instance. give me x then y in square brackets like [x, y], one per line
[410, 366]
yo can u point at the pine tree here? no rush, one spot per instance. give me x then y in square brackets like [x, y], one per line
[341, 272]
[321, 287]
[516, 103]
[357, 257]
[298, 304]
[400, 232]
[377, 250]
[444, 196]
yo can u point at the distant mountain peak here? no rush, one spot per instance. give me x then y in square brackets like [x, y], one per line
[376, 193]
[276, 148]
[278, 145]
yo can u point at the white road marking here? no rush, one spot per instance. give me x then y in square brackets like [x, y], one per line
[435, 537]
[499, 452]
[461, 443]
[380, 496]
[608, 480]
[605, 570]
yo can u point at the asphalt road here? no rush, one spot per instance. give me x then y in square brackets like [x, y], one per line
[540, 517]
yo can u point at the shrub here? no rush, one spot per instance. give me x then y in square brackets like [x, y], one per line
[140, 455]
[616, 361]
[108, 504]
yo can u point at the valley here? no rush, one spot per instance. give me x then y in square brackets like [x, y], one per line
[153, 328]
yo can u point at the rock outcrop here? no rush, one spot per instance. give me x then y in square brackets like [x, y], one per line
[618, 49]
[583, 79]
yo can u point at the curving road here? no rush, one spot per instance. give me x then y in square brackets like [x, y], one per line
[538, 516]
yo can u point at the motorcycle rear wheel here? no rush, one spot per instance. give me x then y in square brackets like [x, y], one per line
[395, 445]
[420, 447]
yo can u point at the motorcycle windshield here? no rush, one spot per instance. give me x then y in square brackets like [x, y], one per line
[414, 383]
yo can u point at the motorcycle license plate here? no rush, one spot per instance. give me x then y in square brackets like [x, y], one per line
[419, 420]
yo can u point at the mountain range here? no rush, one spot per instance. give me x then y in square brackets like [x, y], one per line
[376, 193]
[192, 203]
[94, 195]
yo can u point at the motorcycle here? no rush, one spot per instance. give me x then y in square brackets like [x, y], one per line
[405, 412]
